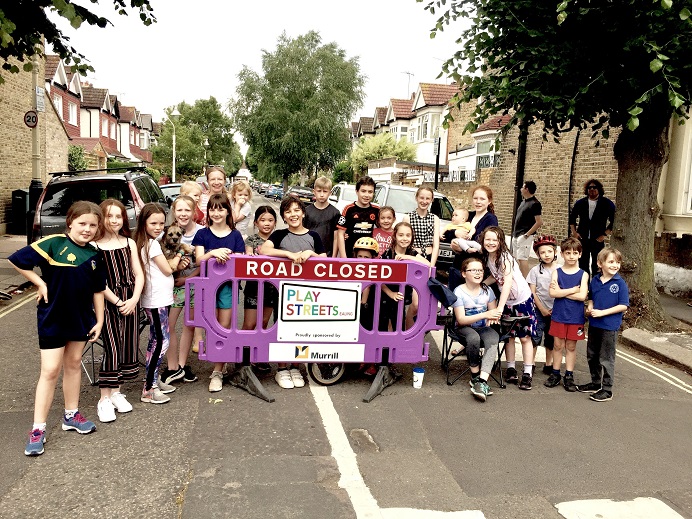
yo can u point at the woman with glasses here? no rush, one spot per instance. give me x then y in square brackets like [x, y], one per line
[590, 221]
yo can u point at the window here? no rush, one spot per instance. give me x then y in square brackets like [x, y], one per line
[104, 126]
[132, 136]
[423, 127]
[113, 131]
[404, 129]
[136, 138]
[57, 101]
[486, 154]
[72, 113]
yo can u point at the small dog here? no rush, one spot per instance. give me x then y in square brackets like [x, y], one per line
[171, 243]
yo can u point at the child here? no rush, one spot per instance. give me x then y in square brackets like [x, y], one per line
[183, 210]
[357, 219]
[609, 301]
[515, 300]
[241, 194]
[460, 221]
[568, 286]
[70, 294]
[124, 283]
[157, 296]
[194, 191]
[539, 278]
[322, 216]
[383, 232]
[366, 248]
[219, 241]
[265, 222]
[426, 226]
[297, 244]
[475, 310]
[401, 249]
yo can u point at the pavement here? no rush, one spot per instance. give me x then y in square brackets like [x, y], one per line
[674, 348]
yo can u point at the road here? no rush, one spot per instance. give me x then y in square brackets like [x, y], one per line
[322, 453]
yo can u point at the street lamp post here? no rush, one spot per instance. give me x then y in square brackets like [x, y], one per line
[174, 113]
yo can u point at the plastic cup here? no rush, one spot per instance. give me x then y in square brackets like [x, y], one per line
[418, 374]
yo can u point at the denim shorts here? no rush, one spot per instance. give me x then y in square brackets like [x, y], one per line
[541, 333]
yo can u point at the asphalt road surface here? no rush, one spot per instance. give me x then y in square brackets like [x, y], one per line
[321, 452]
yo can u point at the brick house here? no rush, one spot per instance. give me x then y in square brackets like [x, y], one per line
[99, 119]
[380, 120]
[65, 91]
[398, 117]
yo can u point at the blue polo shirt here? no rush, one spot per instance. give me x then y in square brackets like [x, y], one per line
[606, 295]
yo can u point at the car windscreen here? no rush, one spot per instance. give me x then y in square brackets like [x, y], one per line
[349, 194]
[60, 196]
[402, 201]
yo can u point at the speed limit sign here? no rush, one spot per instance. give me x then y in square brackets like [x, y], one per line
[31, 119]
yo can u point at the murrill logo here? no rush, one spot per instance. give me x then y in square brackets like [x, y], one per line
[302, 352]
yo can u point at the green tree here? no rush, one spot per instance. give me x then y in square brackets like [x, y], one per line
[593, 66]
[204, 121]
[380, 146]
[76, 161]
[24, 24]
[343, 172]
[295, 115]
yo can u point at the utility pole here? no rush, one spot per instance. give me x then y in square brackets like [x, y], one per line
[408, 86]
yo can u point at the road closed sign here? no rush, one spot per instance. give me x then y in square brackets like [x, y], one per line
[31, 119]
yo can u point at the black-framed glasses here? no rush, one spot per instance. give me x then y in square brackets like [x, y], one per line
[475, 271]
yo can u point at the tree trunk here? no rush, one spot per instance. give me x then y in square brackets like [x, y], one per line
[640, 155]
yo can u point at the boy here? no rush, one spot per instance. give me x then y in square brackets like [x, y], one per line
[357, 219]
[569, 287]
[297, 244]
[366, 248]
[322, 217]
[609, 301]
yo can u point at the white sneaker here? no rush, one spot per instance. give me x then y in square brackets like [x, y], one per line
[120, 402]
[154, 396]
[106, 410]
[297, 378]
[166, 388]
[216, 382]
[284, 379]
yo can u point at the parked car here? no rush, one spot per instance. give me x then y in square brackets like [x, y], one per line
[262, 188]
[275, 192]
[342, 194]
[171, 192]
[304, 194]
[403, 200]
[132, 187]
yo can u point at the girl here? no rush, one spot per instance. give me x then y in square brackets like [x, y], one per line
[265, 222]
[194, 191]
[538, 279]
[157, 297]
[125, 280]
[298, 244]
[383, 232]
[219, 241]
[401, 249]
[475, 310]
[515, 300]
[426, 226]
[183, 209]
[70, 312]
[241, 194]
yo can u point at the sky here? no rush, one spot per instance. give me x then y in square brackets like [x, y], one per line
[196, 49]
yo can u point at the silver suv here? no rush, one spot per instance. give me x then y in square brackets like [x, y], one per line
[403, 200]
[133, 187]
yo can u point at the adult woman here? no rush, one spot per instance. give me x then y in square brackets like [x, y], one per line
[216, 178]
[481, 217]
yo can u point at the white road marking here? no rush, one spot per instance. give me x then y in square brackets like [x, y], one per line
[664, 375]
[351, 480]
[18, 304]
[639, 508]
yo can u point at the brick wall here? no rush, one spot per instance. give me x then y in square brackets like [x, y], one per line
[15, 139]
[674, 251]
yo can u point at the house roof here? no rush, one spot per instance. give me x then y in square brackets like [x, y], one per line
[494, 123]
[113, 152]
[380, 116]
[88, 143]
[93, 97]
[52, 64]
[365, 125]
[400, 109]
[156, 128]
[128, 114]
[146, 121]
[354, 128]
[437, 95]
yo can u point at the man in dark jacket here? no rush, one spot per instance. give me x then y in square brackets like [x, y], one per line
[591, 220]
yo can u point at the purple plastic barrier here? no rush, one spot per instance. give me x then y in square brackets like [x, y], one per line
[318, 315]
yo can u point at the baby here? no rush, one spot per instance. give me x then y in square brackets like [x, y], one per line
[459, 221]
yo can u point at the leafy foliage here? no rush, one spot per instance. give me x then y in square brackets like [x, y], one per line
[343, 173]
[76, 161]
[295, 115]
[620, 62]
[380, 146]
[203, 120]
[23, 24]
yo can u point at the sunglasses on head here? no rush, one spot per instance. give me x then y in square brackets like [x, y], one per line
[593, 187]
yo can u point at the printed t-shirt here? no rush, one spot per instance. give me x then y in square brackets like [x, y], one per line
[357, 222]
[473, 305]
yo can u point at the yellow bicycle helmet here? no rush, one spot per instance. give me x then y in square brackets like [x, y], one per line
[367, 243]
